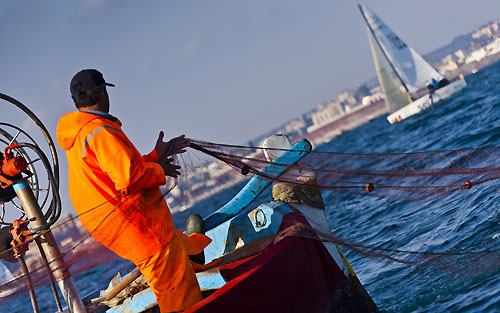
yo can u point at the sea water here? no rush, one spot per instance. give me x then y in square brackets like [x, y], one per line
[461, 222]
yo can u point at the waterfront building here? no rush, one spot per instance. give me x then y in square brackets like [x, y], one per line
[476, 56]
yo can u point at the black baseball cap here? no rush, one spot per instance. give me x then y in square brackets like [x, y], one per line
[86, 81]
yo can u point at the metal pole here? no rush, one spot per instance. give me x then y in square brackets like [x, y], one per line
[51, 277]
[49, 245]
[29, 282]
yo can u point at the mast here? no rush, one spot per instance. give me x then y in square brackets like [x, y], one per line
[384, 52]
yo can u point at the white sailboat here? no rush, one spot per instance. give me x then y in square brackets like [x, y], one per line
[411, 70]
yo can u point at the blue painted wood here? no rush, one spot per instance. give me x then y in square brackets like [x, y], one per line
[258, 223]
[139, 303]
[257, 184]
[210, 280]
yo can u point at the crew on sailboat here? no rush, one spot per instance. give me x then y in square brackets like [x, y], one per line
[437, 84]
[433, 85]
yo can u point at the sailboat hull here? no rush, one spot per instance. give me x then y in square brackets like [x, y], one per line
[426, 101]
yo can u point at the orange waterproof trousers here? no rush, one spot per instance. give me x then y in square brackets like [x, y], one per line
[182, 291]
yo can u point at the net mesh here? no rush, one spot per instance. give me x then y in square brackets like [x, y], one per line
[416, 176]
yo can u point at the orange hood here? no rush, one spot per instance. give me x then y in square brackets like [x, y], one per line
[69, 126]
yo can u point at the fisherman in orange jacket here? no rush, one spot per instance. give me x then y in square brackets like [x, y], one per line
[116, 193]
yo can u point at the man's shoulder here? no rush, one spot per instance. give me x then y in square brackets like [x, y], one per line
[84, 125]
[101, 126]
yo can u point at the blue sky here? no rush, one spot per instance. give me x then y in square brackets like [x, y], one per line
[223, 71]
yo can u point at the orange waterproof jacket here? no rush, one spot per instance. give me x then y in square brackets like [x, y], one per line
[113, 188]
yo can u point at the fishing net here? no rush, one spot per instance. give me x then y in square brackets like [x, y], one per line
[416, 176]
[213, 173]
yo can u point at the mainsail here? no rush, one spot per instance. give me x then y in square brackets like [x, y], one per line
[395, 98]
[411, 68]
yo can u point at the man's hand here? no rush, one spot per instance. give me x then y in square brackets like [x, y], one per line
[169, 168]
[175, 146]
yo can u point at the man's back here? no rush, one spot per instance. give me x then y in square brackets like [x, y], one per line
[113, 188]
